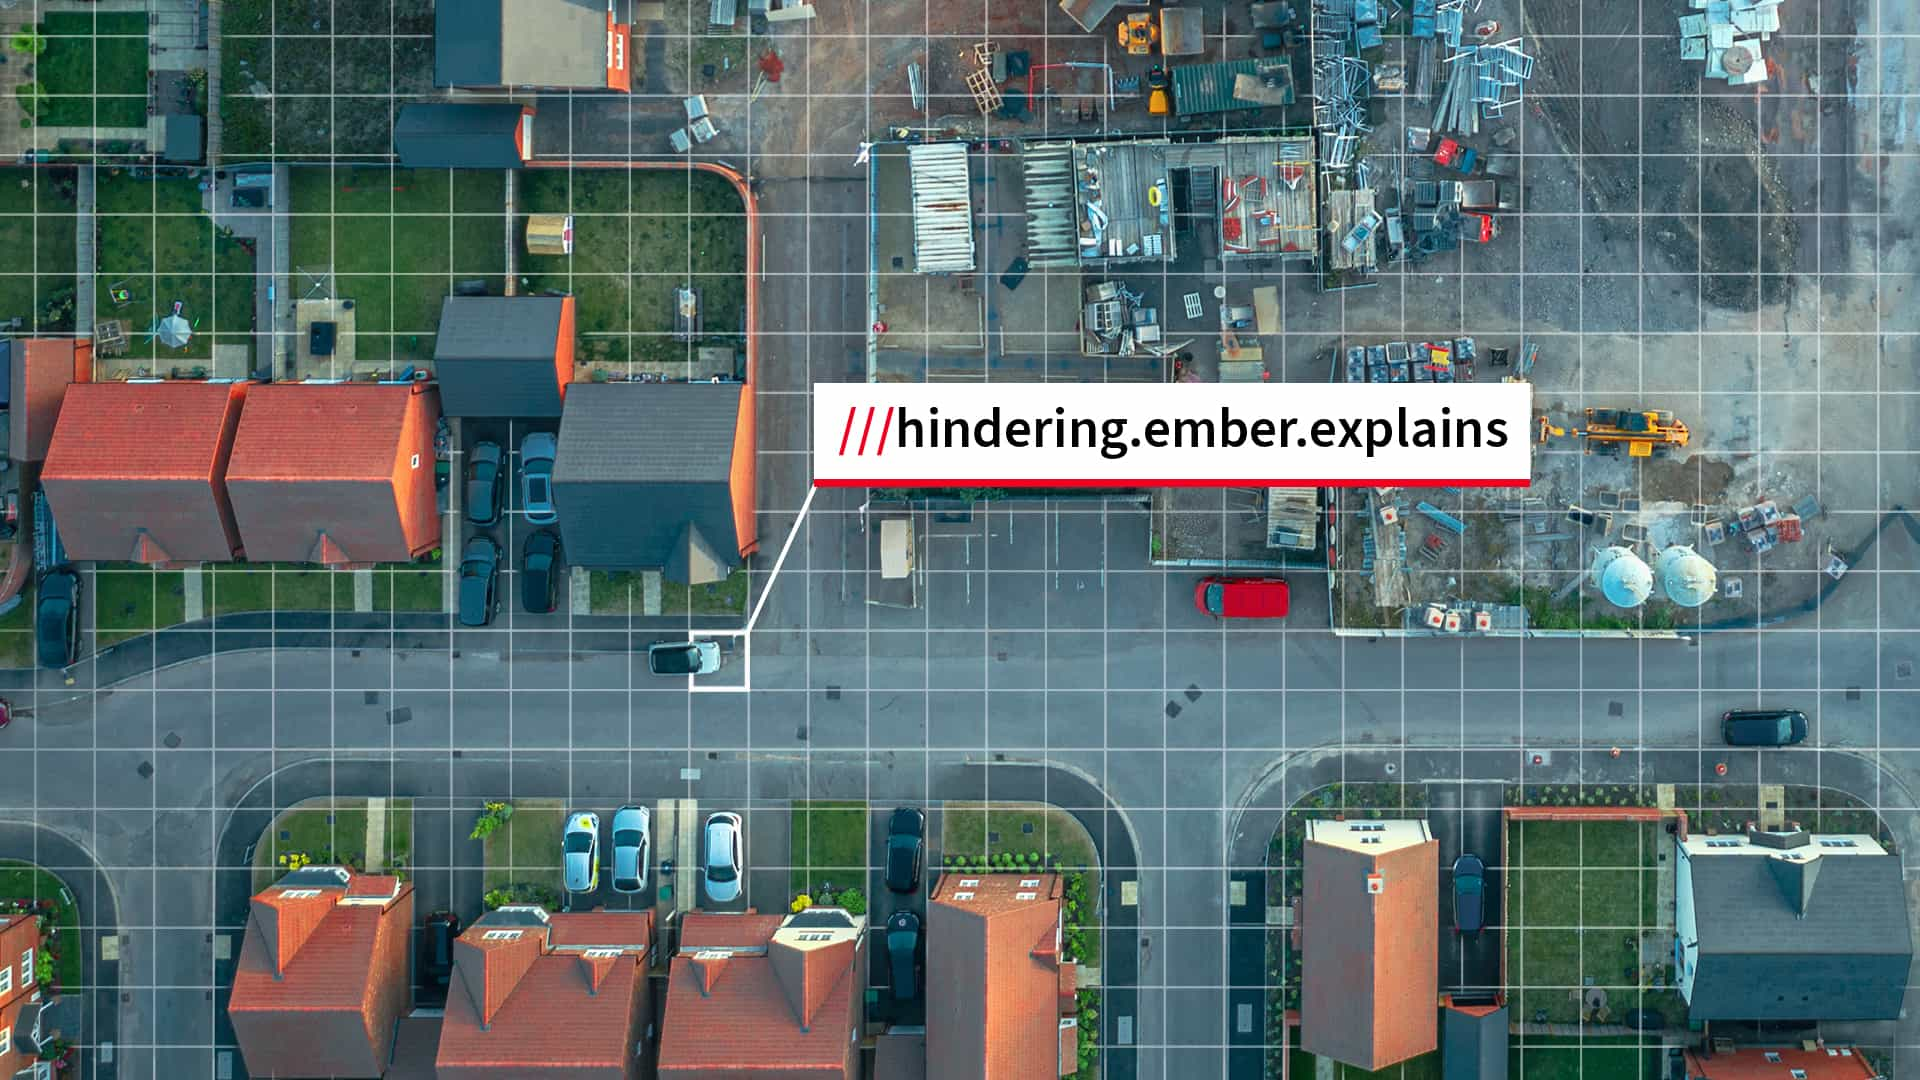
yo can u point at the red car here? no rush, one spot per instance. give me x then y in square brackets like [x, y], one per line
[1242, 597]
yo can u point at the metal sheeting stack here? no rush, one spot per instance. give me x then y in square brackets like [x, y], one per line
[1052, 238]
[942, 208]
[1479, 78]
[1727, 36]
[1341, 80]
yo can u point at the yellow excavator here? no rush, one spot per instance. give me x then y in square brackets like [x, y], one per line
[1645, 433]
[1138, 33]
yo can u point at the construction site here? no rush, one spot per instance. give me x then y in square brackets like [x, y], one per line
[1408, 191]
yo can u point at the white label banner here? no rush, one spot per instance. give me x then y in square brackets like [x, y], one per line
[1180, 435]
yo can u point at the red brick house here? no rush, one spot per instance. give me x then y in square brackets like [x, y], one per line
[761, 997]
[136, 472]
[19, 991]
[339, 475]
[1370, 957]
[537, 995]
[323, 975]
[1000, 995]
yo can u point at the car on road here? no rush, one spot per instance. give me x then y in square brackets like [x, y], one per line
[1469, 894]
[632, 842]
[486, 483]
[442, 927]
[1763, 727]
[536, 477]
[539, 571]
[906, 848]
[903, 954]
[57, 619]
[1242, 597]
[580, 852]
[479, 581]
[723, 857]
[683, 657]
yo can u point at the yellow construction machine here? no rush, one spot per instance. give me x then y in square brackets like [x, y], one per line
[1138, 33]
[1644, 433]
[1158, 101]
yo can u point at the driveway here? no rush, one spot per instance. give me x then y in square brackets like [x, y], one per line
[1466, 819]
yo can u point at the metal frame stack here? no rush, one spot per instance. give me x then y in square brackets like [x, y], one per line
[1478, 79]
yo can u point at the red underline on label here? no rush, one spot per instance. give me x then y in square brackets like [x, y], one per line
[1422, 482]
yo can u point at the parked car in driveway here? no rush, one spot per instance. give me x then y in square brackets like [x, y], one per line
[442, 927]
[632, 845]
[57, 618]
[539, 571]
[1242, 597]
[580, 850]
[1469, 894]
[479, 581]
[724, 861]
[903, 954]
[536, 477]
[906, 848]
[1763, 727]
[683, 657]
[486, 483]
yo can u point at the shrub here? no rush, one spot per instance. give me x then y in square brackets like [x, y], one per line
[28, 41]
[495, 815]
[801, 903]
[854, 901]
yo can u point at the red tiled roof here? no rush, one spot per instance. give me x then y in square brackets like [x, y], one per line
[1750, 1063]
[734, 1017]
[320, 983]
[993, 977]
[344, 470]
[533, 1003]
[43, 368]
[1370, 968]
[706, 930]
[137, 471]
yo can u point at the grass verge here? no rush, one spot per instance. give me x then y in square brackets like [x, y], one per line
[130, 600]
[525, 850]
[829, 845]
[25, 881]
[332, 832]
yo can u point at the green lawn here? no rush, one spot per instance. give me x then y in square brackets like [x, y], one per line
[397, 240]
[1424, 1067]
[329, 831]
[1582, 898]
[638, 235]
[526, 850]
[283, 62]
[1547, 1057]
[977, 829]
[241, 587]
[16, 632]
[130, 600]
[829, 845]
[727, 597]
[25, 881]
[158, 248]
[94, 70]
[36, 224]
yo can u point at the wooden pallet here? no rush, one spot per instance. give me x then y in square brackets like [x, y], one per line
[986, 92]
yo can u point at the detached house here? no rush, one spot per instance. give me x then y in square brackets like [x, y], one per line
[20, 1002]
[1000, 995]
[536, 995]
[542, 44]
[1370, 932]
[338, 475]
[658, 476]
[762, 997]
[1790, 926]
[323, 977]
[137, 472]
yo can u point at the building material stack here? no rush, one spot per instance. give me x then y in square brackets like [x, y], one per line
[1726, 35]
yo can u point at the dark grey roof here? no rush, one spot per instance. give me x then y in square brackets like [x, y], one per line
[1845, 959]
[466, 135]
[466, 42]
[182, 138]
[494, 356]
[1473, 1047]
[640, 462]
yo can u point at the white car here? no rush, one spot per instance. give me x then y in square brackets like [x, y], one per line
[723, 857]
[631, 836]
[580, 850]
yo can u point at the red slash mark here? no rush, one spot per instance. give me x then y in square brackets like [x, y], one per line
[848, 433]
[863, 432]
[885, 426]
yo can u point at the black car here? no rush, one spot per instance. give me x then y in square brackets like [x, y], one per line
[57, 619]
[486, 483]
[903, 954]
[1763, 727]
[539, 571]
[479, 581]
[1469, 894]
[442, 927]
[906, 848]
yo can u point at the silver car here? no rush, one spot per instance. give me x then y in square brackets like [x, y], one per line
[723, 857]
[632, 840]
[580, 847]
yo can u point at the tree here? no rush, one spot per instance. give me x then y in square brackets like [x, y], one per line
[28, 40]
